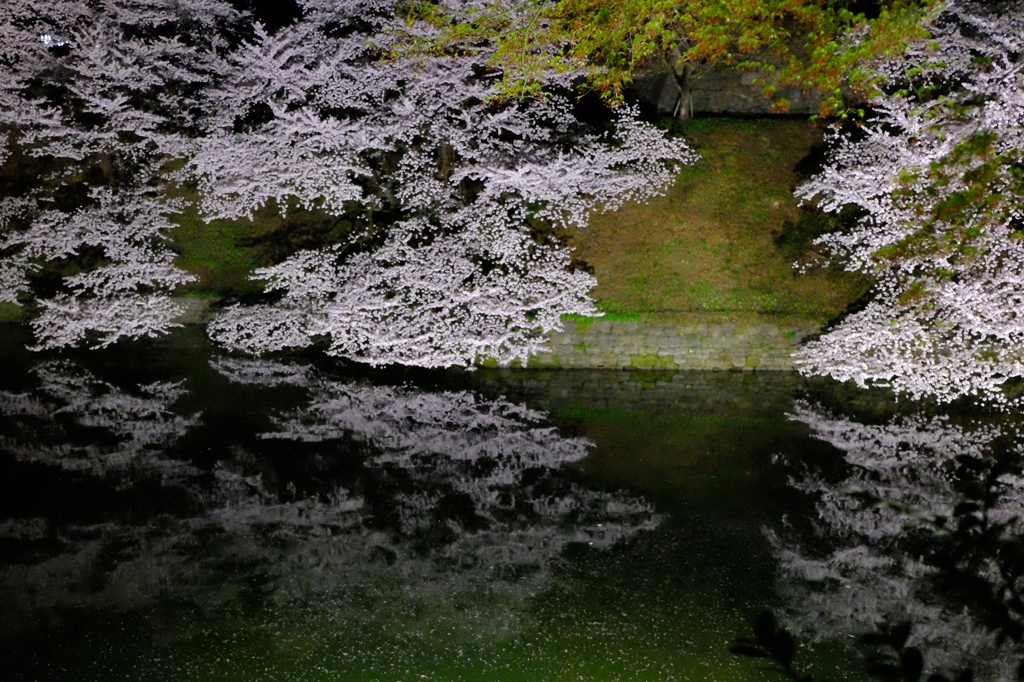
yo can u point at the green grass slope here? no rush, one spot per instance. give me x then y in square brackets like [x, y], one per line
[719, 244]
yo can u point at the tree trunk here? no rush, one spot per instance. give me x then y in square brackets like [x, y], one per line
[445, 160]
[682, 76]
[105, 162]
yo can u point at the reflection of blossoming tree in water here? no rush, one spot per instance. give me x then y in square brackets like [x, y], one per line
[136, 425]
[441, 511]
[923, 506]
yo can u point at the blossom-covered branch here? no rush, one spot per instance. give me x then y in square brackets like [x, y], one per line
[936, 174]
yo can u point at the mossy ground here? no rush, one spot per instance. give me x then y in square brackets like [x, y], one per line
[223, 254]
[214, 253]
[716, 245]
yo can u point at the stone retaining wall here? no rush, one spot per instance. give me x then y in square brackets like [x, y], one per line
[610, 344]
[638, 345]
[721, 91]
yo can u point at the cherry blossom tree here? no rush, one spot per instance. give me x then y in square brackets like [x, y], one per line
[429, 305]
[935, 173]
[460, 194]
[96, 93]
[459, 179]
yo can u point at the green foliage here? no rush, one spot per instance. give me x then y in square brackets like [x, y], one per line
[799, 42]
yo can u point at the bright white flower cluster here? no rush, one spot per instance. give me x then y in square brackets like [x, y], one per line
[127, 295]
[936, 174]
[312, 114]
[98, 94]
[430, 305]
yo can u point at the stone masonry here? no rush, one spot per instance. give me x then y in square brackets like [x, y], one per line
[639, 345]
[721, 91]
[611, 344]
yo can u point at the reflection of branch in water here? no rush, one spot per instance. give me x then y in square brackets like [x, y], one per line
[262, 372]
[887, 656]
[455, 518]
[896, 527]
[482, 471]
[75, 412]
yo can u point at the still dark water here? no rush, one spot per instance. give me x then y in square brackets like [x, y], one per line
[168, 513]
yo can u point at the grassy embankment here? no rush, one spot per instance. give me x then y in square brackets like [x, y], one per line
[715, 247]
[721, 243]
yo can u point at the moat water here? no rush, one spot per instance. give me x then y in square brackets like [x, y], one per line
[171, 513]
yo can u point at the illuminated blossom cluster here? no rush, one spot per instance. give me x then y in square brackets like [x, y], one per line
[129, 104]
[935, 174]
[94, 95]
[429, 305]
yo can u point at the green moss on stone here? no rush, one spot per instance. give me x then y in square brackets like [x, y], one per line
[651, 361]
[537, 361]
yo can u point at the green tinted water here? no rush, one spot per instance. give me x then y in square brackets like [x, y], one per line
[308, 521]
